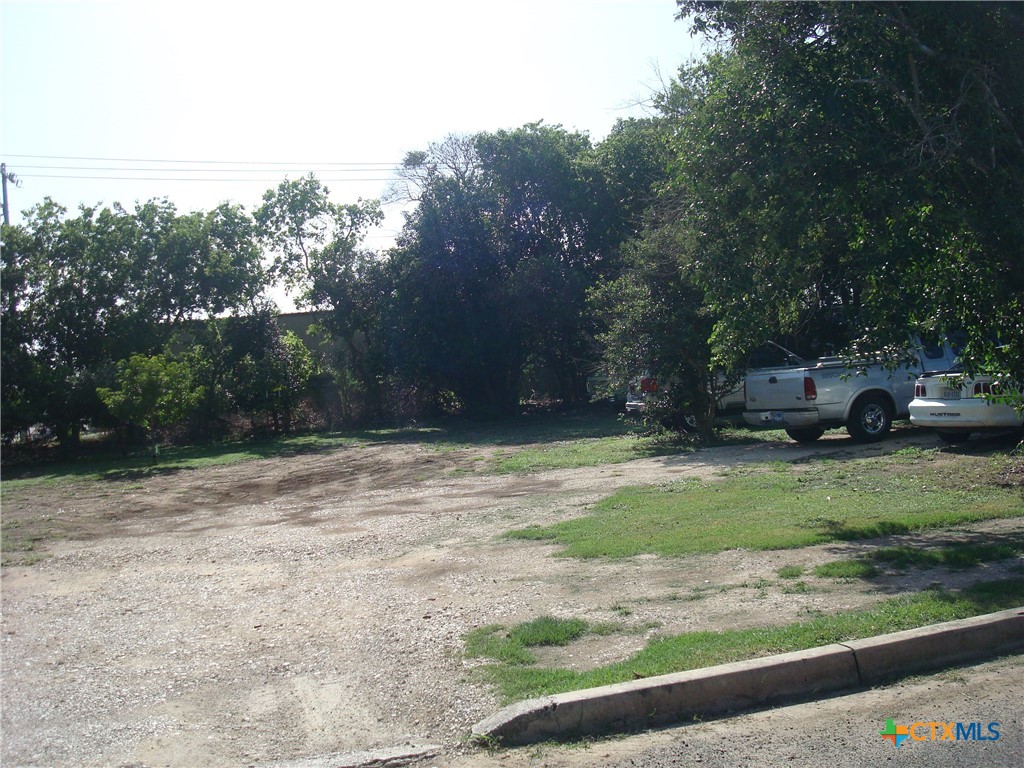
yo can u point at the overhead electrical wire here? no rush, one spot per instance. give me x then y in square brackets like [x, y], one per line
[367, 169]
[201, 162]
[209, 174]
[175, 178]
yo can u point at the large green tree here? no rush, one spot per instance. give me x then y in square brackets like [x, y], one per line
[857, 170]
[316, 250]
[510, 231]
[83, 292]
[454, 327]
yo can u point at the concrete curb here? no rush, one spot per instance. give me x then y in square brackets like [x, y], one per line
[800, 675]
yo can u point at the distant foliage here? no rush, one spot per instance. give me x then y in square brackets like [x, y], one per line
[152, 392]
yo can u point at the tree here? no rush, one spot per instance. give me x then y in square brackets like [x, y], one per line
[19, 377]
[269, 370]
[152, 392]
[861, 164]
[64, 314]
[453, 325]
[82, 293]
[318, 252]
[308, 234]
[511, 230]
[188, 266]
[550, 205]
[654, 323]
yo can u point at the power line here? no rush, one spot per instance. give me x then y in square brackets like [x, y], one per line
[319, 164]
[126, 169]
[179, 178]
[362, 169]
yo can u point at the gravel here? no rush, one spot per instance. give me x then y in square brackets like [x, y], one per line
[295, 610]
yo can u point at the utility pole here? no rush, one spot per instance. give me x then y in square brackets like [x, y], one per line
[15, 182]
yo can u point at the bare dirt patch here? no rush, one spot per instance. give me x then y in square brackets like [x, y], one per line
[283, 609]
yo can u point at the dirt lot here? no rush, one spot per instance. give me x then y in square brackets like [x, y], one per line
[284, 609]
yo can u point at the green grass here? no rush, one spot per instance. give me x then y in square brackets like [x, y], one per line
[530, 442]
[110, 465]
[693, 650]
[512, 646]
[961, 555]
[846, 569]
[785, 506]
[790, 572]
[587, 452]
[966, 555]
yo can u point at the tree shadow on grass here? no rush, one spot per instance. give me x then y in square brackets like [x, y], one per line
[952, 560]
[105, 462]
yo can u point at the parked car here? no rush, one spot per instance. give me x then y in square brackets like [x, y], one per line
[862, 395]
[955, 404]
[639, 390]
[767, 357]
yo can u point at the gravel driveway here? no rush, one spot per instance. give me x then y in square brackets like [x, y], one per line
[283, 609]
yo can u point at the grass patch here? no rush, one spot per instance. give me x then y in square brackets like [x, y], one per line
[693, 650]
[106, 465]
[589, 452]
[968, 555]
[790, 572]
[957, 556]
[787, 506]
[735, 434]
[512, 646]
[534, 442]
[18, 543]
[846, 569]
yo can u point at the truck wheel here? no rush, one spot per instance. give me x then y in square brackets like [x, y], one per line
[680, 422]
[808, 435]
[952, 438]
[870, 419]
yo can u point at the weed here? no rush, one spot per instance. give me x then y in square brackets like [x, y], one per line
[796, 588]
[547, 631]
[511, 647]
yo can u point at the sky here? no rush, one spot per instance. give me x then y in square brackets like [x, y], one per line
[207, 102]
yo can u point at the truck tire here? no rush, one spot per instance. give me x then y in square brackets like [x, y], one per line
[806, 435]
[870, 419]
[684, 423]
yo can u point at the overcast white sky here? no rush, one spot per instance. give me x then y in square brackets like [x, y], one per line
[203, 102]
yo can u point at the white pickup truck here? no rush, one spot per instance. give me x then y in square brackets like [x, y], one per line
[863, 396]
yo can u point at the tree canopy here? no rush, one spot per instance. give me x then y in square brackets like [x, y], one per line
[838, 174]
[860, 167]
